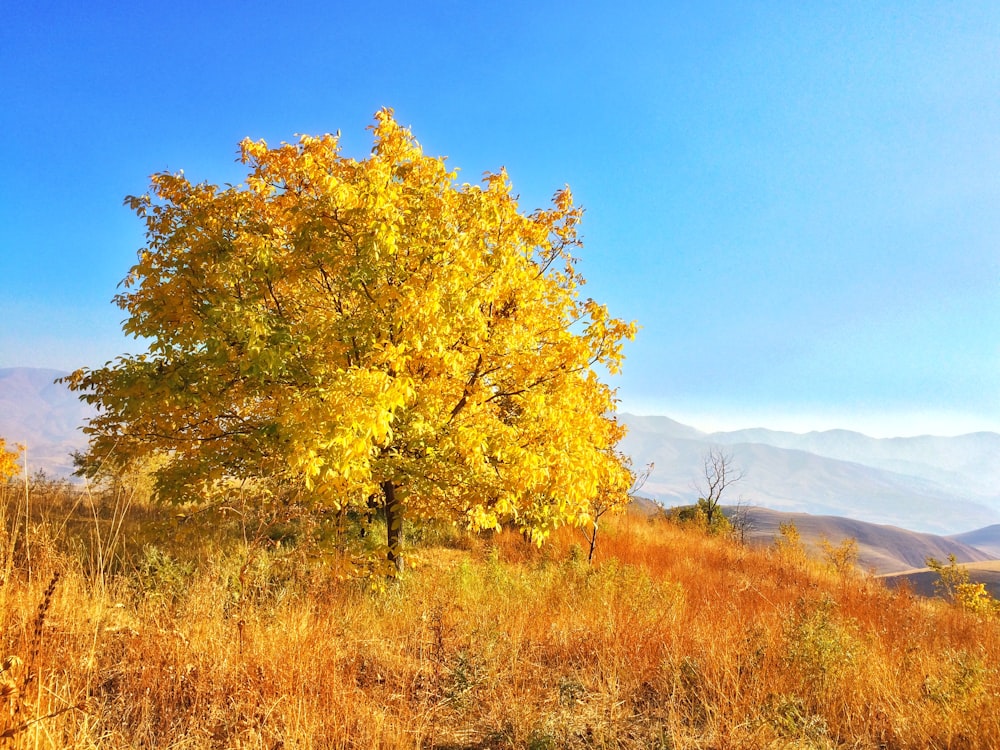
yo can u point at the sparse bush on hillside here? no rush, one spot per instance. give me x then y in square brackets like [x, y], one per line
[741, 520]
[843, 558]
[695, 517]
[821, 646]
[953, 584]
[610, 502]
[718, 474]
[950, 576]
[789, 545]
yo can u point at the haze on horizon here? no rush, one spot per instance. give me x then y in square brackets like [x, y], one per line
[797, 204]
[875, 425]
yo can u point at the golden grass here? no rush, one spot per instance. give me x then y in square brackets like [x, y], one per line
[673, 639]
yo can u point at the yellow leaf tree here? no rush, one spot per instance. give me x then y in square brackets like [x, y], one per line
[354, 331]
[8, 460]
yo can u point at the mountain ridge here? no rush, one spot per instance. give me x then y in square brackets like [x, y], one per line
[43, 415]
[966, 461]
[871, 479]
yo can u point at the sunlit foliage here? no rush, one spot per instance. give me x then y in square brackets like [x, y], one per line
[8, 461]
[955, 585]
[358, 333]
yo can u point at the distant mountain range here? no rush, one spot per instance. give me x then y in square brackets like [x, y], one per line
[44, 416]
[928, 484]
[941, 485]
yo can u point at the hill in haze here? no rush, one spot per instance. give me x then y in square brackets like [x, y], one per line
[883, 549]
[43, 415]
[936, 485]
[966, 464]
[987, 539]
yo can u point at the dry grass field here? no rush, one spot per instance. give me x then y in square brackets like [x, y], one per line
[126, 626]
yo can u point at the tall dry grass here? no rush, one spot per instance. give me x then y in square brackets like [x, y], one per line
[673, 639]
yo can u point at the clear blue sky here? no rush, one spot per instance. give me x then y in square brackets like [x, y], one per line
[799, 202]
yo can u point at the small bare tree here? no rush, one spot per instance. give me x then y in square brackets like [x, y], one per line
[603, 504]
[742, 521]
[718, 474]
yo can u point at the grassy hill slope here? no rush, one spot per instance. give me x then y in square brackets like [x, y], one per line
[192, 632]
[884, 549]
[922, 580]
[986, 539]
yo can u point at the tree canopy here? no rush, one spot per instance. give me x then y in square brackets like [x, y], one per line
[341, 330]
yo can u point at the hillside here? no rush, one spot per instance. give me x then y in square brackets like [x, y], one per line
[987, 539]
[793, 479]
[922, 580]
[883, 549]
[43, 415]
[673, 638]
[967, 464]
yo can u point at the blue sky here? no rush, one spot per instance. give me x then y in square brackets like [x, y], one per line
[799, 205]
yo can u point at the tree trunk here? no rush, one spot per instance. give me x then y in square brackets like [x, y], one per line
[593, 543]
[394, 530]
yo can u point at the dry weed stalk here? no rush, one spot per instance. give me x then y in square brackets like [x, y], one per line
[16, 677]
[39, 628]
